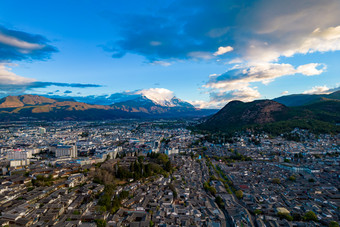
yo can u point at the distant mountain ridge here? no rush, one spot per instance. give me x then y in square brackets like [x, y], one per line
[304, 99]
[124, 97]
[24, 100]
[42, 108]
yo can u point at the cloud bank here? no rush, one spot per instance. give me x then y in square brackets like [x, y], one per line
[11, 83]
[258, 35]
[16, 46]
[317, 90]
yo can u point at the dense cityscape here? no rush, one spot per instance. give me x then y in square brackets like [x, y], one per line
[169, 113]
[159, 173]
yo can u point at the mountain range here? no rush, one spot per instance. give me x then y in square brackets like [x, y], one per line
[318, 113]
[157, 97]
[35, 107]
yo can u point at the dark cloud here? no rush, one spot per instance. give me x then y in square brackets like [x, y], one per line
[184, 29]
[67, 92]
[21, 88]
[40, 84]
[257, 30]
[17, 45]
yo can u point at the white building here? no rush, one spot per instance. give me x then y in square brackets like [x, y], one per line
[18, 162]
[19, 155]
[66, 151]
[172, 151]
[42, 130]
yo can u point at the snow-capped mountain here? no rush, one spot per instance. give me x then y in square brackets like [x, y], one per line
[162, 97]
[158, 96]
[146, 105]
[173, 102]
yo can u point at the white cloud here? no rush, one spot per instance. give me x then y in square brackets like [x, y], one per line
[7, 77]
[155, 43]
[318, 90]
[319, 40]
[242, 76]
[235, 61]
[223, 50]
[162, 63]
[311, 69]
[285, 28]
[276, 29]
[203, 104]
[12, 41]
[200, 55]
[235, 83]
[220, 99]
[246, 94]
[284, 93]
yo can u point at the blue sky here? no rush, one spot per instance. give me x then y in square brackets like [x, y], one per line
[205, 52]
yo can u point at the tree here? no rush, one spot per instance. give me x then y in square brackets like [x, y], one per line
[239, 194]
[285, 216]
[105, 201]
[212, 190]
[276, 181]
[333, 224]
[167, 166]
[101, 223]
[297, 217]
[84, 134]
[292, 178]
[257, 212]
[140, 159]
[101, 209]
[123, 194]
[311, 180]
[162, 158]
[310, 216]
[219, 202]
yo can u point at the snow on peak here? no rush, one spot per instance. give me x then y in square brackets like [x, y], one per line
[160, 96]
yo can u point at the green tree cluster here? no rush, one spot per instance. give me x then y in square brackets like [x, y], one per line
[276, 181]
[310, 216]
[41, 180]
[209, 188]
[286, 216]
[239, 194]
